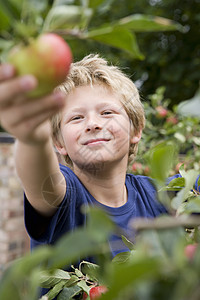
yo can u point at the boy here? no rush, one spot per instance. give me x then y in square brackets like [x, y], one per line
[96, 120]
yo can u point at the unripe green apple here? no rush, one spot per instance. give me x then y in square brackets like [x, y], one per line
[48, 58]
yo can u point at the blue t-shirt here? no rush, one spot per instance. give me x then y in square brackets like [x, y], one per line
[141, 203]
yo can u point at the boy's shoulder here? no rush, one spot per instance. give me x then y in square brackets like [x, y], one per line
[66, 169]
[74, 187]
[140, 180]
[69, 174]
[146, 182]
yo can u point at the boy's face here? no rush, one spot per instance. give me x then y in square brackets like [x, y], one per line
[95, 128]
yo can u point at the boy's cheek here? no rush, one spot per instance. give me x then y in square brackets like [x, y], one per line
[70, 135]
[121, 133]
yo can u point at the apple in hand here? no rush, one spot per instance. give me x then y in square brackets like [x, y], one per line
[48, 58]
[97, 291]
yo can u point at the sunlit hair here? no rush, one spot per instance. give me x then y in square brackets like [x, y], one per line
[93, 70]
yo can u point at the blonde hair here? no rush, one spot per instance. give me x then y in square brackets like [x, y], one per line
[93, 70]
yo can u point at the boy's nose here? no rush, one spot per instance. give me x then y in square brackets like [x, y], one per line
[93, 124]
[93, 127]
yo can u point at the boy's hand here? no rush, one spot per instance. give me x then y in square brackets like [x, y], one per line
[24, 118]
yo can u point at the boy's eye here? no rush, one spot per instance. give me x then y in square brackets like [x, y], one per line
[107, 112]
[76, 118]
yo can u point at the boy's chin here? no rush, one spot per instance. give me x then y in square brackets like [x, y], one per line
[92, 167]
[99, 163]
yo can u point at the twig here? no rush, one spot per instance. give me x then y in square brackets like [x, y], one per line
[165, 222]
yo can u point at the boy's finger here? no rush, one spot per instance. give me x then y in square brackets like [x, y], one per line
[11, 89]
[6, 71]
[35, 107]
[34, 122]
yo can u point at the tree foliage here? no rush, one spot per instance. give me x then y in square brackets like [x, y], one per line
[172, 58]
[153, 55]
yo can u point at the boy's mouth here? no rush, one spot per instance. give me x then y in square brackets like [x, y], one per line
[95, 141]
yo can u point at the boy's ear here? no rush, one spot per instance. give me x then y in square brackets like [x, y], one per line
[61, 149]
[135, 138]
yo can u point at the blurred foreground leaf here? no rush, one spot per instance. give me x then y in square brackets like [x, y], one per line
[160, 159]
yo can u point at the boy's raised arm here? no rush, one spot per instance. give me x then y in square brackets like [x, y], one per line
[28, 121]
[38, 169]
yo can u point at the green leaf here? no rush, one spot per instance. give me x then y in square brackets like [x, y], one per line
[55, 290]
[69, 293]
[181, 196]
[122, 257]
[177, 183]
[89, 269]
[5, 44]
[89, 241]
[24, 265]
[48, 279]
[160, 159]
[78, 272]
[146, 23]
[100, 225]
[63, 2]
[128, 243]
[162, 241]
[117, 37]
[82, 284]
[193, 205]
[66, 253]
[101, 6]
[37, 5]
[29, 286]
[11, 8]
[12, 282]
[5, 47]
[182, 170]
[180, 137]
[72, 281]
[196, 140]
[4, 21]
[122, 276]
[67, 17]
[94, 3]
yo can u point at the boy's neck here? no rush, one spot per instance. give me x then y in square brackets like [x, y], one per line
[106, 186]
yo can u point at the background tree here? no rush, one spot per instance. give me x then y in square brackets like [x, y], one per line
[172, 58]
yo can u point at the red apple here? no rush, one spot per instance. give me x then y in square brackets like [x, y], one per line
[97, 291]
[48, 58]
[85, 295]
[190, 251]
[161, 111]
